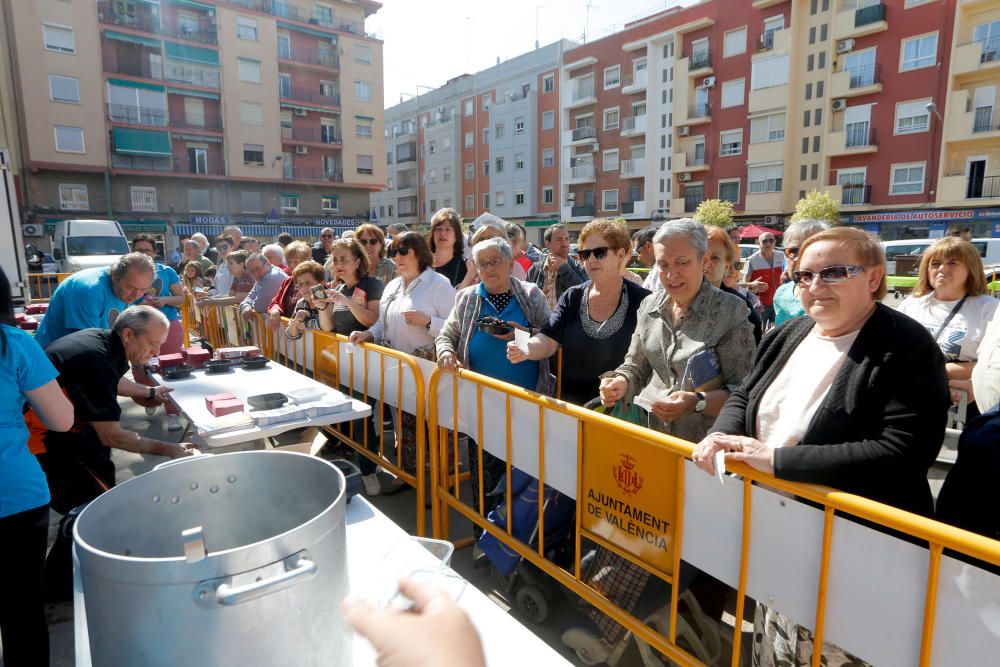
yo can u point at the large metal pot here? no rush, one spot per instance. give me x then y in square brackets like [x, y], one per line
[235, 559]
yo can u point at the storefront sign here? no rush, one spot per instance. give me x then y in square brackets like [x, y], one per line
[630, 495]
[209, 220]
[922, 215]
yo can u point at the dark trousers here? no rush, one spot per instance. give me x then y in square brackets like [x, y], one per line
[23, 627]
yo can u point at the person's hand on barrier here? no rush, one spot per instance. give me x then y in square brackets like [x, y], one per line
[751, 451]
[448, 362]
[957, 387]
[677, 404]
[704, 451]
[274, 318]
[613, 390]
[359, 337]
[434, 632]
[416, 318]
[247, 314]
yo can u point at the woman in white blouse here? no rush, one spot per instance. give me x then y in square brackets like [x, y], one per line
[412, 311]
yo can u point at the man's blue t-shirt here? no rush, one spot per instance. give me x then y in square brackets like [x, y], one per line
[82, 301]
[23, 367]
[167, 277]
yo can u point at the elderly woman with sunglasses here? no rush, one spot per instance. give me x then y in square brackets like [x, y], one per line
[373, 239]
[592, 322]
[854, 397]
[786, 299]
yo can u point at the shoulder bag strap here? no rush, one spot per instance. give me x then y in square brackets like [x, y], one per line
[947, 320]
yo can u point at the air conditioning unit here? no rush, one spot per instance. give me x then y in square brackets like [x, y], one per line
[684, 177]
[32, 230]
[845, 45]
[709, 82]
[839, 104]
[594, 147]
[301, 150]
[684, 131]
[301, 112]
[772, 219]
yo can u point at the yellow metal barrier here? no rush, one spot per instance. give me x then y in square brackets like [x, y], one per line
[596, 432]
[42, 285]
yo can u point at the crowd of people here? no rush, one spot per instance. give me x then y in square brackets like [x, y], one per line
[787, 362]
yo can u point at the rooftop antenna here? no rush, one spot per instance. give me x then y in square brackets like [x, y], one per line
[586, 25]
[537, 8]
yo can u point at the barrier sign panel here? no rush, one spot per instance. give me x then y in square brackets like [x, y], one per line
[630, 494]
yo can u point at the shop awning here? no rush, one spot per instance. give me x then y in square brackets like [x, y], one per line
[136, 84]
[360, 117]
[194, 54]
[132, 39]
[308, 31]
[312, 231]
[264, 233]
[193, 93]
[196, 5]
[141, 142]
[540, 223]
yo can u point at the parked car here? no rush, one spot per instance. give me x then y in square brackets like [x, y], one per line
[989, 250]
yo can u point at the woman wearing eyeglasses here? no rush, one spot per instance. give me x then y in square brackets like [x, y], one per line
[372, 238]
[722, 255]
[786, 298]
[853, 397]
[447, 245]
[592, 322]
[412, 311]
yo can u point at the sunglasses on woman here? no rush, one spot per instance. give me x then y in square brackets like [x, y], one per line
[368, 241]
[401, 251]
[828, 274]
[598, 253]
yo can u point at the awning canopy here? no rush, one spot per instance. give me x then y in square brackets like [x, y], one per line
[309, 31]
[141, 142]
[193, 93]
[312, 231]
[198, 5]
[194, 54]
[754, 231]
[125, 83]
[132, 39]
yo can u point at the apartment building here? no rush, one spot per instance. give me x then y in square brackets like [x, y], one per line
[482, 142]
[183, 115]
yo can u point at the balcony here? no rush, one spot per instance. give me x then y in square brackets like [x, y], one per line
[767, 203]
[975, 56]
[773, 40]
[315, 17]
[586, 211]
[301, 94]
[137, 115]
[960, 187]
[635, 82]
[862, 80]
[853, 20]
[175, 164]
[143, 66]
[984, 120]
[192, 75]
[855, 139]
[636, 209]
[581, 93]
[148, 21]
[327, 59]
[313, 135]
[635, 168]
[633, 126]
[196, 123]
[697, 114]
[292, 172]
[683, 161]
[855, 194]
[584, 133]
[579, 173]
[700, 63]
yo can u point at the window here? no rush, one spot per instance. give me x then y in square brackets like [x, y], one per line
[919, 52]
[365, 164]
[73, 197]
[486, 105]
[250, 202]
[988, 35]
[518, 126]
[612, 76]
[69, 139]
[732, 93]
[470, 139]
[322, 14]
[253, 154]
[548, 120]
[330, 203]
[735, 42]
[143, 199]
[731, 142]
[446, 174]
[500, 199]
[611, 119]
[327, 89]
[609, 200]
[907, 179]
[765, 178]
[249, 70]
[812, 35]
[769, 72]
[200, 201]
[486, 135]
[486, 167]
[251, 113]
[610, 160]
[518, 160]
[470, 202]
[912, 117]
[548, 195]
[518, 197]
[499, 130]
[470, 170]
[58, 38]
[548, 157]
[500, 165]
[432, 176]
[729, 191]
[289, 203]
[767, 128]
[64, 88]
[363, 128]
[486, 201]
[468, 107]
[246, 29]
[548, 83]
[773, 25]
[363, 90]
[362, 54]
[819, 89]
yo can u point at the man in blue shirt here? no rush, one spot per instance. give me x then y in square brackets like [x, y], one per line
[87, 298]
[267, 281]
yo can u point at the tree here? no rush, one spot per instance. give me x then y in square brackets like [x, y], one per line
[715, 213]
[817, 205]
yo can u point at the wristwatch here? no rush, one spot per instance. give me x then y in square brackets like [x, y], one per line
[700, 405]
[152, 393]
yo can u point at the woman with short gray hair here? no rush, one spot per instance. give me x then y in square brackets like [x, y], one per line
[786, 299]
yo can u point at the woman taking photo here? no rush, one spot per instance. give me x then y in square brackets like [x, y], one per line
[854, 397]
[592, 322]
[25, 374]
[354, 301]
[308, 308]
[412, 311]
[447, 245]
[373, 239]
[951, 302]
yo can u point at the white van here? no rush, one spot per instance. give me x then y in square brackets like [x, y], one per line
[85, 244]
[989, 250]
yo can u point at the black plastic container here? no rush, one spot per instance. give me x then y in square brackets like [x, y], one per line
[266, 401]
[214, 366]
[177, 372]
[254, 363]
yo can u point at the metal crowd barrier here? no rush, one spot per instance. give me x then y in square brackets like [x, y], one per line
[42, 285]
[797, 548]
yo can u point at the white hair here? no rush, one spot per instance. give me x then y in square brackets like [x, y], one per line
[138, 319]
[803, 229]
[495, 243]
[200, 239]
[349, 234]
[273, 249]
[689, 228]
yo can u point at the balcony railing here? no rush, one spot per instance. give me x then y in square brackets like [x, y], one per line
[177, 165]
[991, 50]
[583, 91]
[585, 132]
[306, 15]
[314, 134]
[636, 79]
[633, 123]
[765, 41]
[983, 120]
[864, 75]
[294, 173]
[859, 135]
[140, 67]
[193, 75]
[587, 211]
[582, 171]
[634, 167]
[699, 60]
[147, 22]
[193, 123]
[136, 115]
[855, 194]
[700, 110]
[628, 207]
[870, 14]
[405, 159]
[309, 95]
[311, 57]
[697, 159]
[983, 187]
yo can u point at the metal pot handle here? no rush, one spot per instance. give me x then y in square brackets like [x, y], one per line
[229, 595]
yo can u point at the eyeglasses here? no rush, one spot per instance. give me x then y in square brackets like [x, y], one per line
[792, 251]
[368, 241]
[326, 236]
[492, 264]
[402, 251]
[598, 253]
[828, 274]
[767, 240]
[146, 251]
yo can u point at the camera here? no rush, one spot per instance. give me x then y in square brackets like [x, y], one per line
[318, 292]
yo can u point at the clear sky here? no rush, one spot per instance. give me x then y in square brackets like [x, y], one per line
[428, 42]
